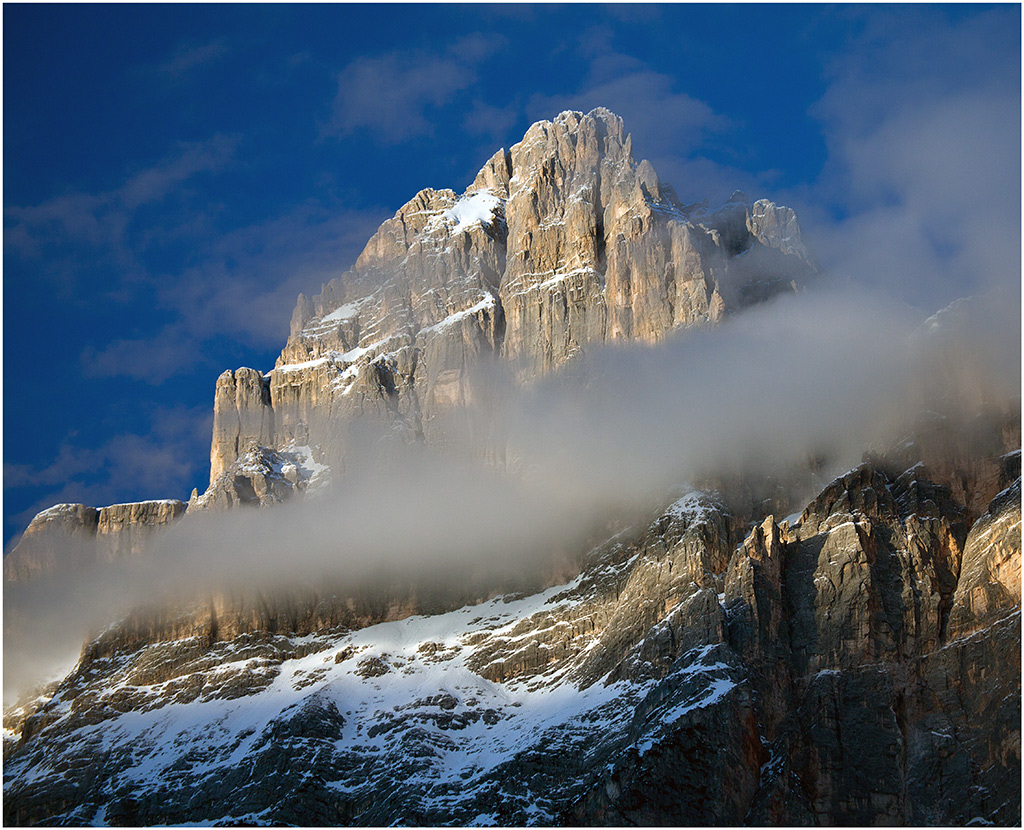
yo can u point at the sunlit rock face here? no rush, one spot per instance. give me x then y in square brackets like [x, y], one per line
[561, 243]
[989, 583]
[242, 418]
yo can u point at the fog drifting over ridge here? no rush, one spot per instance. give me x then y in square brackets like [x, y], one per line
[826, 373]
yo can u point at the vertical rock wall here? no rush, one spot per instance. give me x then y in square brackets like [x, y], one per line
[124, 530]
[242, 418]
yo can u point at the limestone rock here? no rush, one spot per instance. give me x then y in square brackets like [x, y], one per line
[777, 227]
[989, 584]
[757, 618]
[873, 570]
[124, 530]
[975, 456]
[260, 477]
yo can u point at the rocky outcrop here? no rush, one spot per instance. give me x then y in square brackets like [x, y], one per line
[260, 477]
[776, 227]
[872, 570]
[70, 536]
[989, 583]
[884, 685]
[242, 418]
[124, 530]
[57, 538]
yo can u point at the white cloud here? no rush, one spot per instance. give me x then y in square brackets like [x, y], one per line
[101, 220]
[923, 131]
[393, 95]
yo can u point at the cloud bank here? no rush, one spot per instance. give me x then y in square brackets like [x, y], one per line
[825, 374]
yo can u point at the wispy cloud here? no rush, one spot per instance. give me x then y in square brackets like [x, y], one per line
[157, 182]
[162, 462]
[153, 359]
[72, 217]
[924, 157]
[663, 119]
[395, 95]
[101, 220]
[246, 284]
[238, 283]
[190, 55]
[242, 289]
[491, 121]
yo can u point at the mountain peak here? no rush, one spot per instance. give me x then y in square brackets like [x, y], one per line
[561, 243]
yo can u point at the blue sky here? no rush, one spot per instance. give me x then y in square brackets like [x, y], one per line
[175, 175]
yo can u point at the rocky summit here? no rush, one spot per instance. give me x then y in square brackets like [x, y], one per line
[561, 243]
[739, 654]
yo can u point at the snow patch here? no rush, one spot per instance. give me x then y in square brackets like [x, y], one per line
[691, 508]
[486, 303]
[307, 364]
[476, 209]
[551, 279]
[345, 312]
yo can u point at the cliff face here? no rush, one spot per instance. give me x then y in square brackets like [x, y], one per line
[242, 418]
[561, 243]
[56, 538]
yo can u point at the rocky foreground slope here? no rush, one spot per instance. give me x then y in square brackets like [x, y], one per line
[857, 662]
